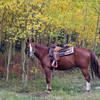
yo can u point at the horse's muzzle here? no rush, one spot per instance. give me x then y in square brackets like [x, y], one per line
[31, 56]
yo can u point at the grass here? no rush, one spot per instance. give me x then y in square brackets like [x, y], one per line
[65, 86]
[8, 95]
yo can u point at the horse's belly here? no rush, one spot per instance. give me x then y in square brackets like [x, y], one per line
[66, 62]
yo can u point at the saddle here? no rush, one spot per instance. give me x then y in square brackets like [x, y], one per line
[57, 49]
[57, 52]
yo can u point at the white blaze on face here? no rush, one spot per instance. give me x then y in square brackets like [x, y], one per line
[30, 47]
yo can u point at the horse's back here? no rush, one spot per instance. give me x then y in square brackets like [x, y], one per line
[79, 57]
[82, 56]
[81, 52]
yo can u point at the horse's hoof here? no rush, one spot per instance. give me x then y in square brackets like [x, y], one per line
[87, 90]
[48, 91]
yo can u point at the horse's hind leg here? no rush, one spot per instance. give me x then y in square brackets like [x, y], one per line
[87, 77]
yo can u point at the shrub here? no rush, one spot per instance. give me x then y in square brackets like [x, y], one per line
[97, 52]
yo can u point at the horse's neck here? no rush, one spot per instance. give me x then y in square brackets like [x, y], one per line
[41, 51]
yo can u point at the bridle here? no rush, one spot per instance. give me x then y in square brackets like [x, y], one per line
[33, 51]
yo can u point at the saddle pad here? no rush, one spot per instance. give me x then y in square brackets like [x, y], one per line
[67, 51]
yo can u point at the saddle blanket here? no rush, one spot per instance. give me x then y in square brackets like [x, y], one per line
[67, 51]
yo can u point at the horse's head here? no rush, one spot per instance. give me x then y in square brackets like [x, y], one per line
[31, 48]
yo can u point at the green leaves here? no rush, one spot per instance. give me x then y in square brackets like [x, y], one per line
[20, 18]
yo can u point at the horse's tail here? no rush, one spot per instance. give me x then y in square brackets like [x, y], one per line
[94, 65]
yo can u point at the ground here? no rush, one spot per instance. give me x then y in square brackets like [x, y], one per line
[68, 85]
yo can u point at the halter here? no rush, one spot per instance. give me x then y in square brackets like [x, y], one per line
[33, 51]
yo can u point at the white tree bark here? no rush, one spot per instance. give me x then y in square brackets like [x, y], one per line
[23, 60]
[9, 58]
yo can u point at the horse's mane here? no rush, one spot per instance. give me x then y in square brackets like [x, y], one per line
[40, 46]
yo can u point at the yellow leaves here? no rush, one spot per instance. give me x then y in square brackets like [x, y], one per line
[35, 2]
[29, 27]
[98, 38]
[60, 5]
[36, 27]
[34, 70]
[48, 17]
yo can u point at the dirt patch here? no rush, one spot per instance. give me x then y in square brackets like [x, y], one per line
[4, 85]
[37, 94]
[22, 91]
[41, 94]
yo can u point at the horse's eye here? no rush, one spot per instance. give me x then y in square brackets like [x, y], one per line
[27, 48]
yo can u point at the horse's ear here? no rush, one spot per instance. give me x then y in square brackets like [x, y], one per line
[27, 40]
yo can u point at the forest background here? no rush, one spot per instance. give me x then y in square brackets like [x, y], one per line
[74, 22]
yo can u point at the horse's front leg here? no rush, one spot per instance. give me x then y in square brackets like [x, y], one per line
[48, 78]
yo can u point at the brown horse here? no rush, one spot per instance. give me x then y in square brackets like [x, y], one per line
[80, 58]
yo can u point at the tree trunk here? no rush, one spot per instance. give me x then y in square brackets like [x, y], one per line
[83, 43]
[98, 23]
[13, 54]
[9, 58]
[0, 39]
[26, 73]
[23, 45]
[85, 27]
[69, 39]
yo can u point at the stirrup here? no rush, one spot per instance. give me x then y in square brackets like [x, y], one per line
[53, 64]
[56, 64]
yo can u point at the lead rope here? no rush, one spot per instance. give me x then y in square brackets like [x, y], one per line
[53, 73]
